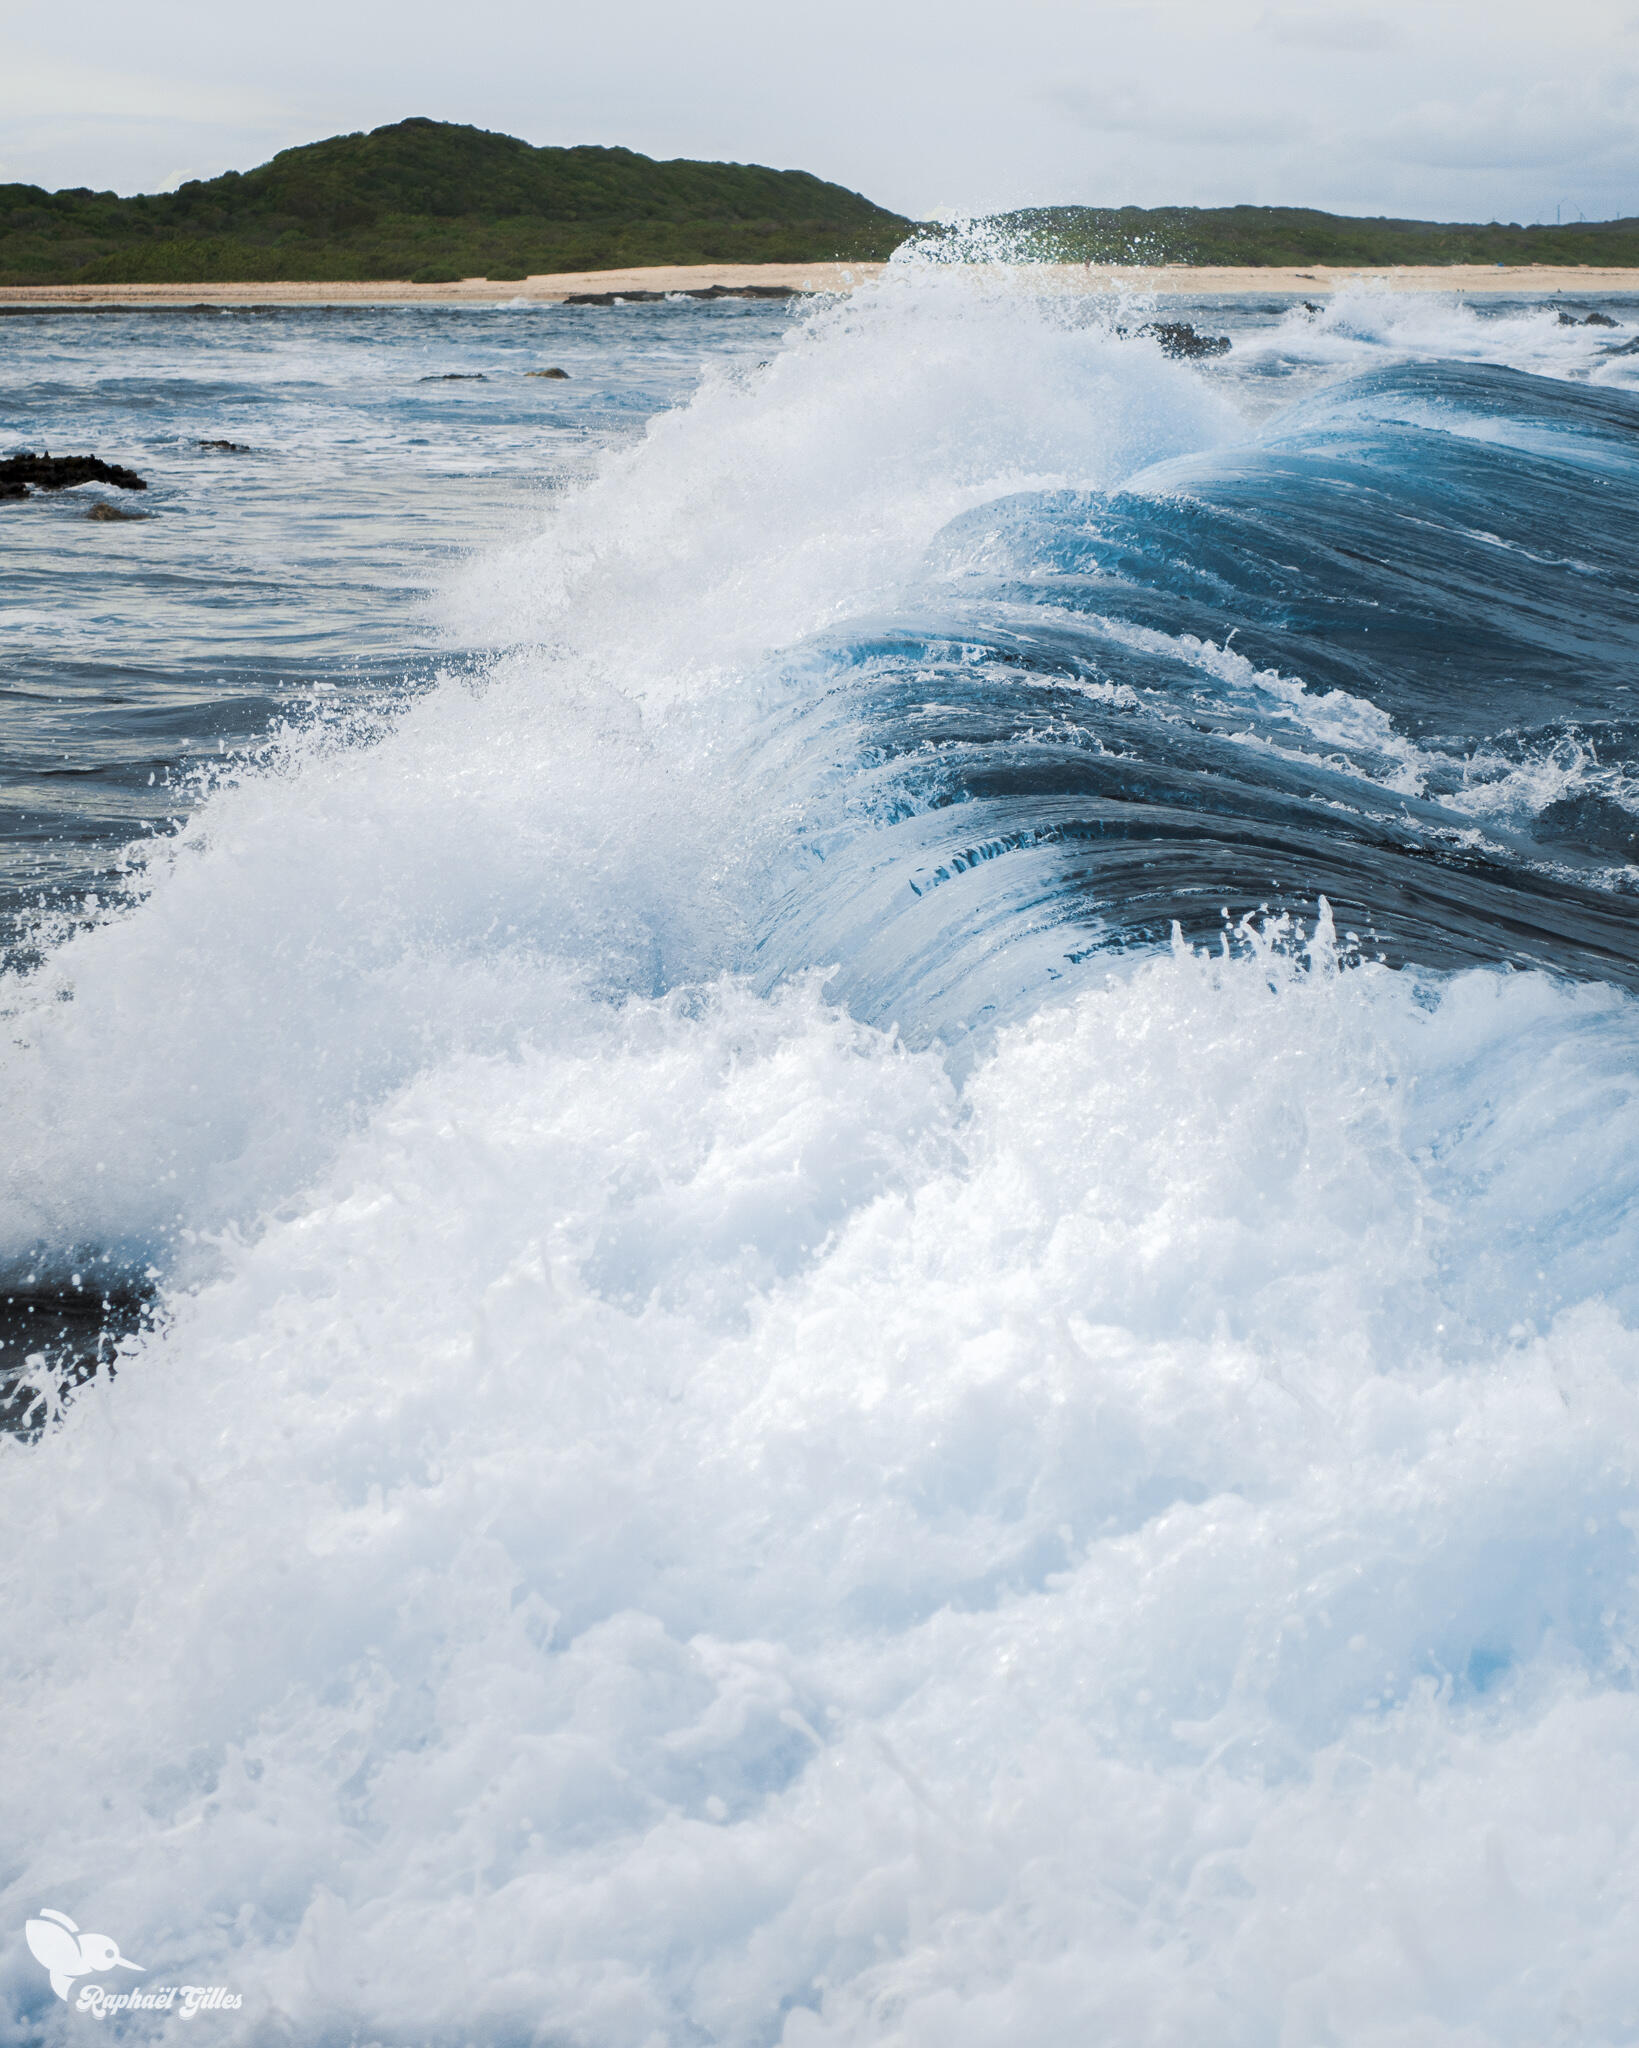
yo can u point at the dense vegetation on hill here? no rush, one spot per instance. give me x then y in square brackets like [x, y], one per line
[433, 200]
[1299, 235]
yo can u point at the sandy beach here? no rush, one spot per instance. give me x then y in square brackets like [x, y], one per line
[1466, 279]
[480, 291]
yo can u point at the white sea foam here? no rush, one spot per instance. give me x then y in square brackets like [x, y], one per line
[1361, 732]
[665, 1518]
[1359, 323]
[327, 927]
[790, 496]
[698, 1519]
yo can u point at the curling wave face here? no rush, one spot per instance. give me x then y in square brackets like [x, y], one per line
[1384, 654]
[783, 1409]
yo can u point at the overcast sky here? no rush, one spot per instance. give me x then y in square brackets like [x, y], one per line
[1457, 112]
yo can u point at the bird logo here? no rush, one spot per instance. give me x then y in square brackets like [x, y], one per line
[59, 1946]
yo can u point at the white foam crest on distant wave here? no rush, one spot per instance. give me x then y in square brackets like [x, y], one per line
[696, 1521]
[1355, 325]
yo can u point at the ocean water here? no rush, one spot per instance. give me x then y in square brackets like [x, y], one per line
[862, 1100]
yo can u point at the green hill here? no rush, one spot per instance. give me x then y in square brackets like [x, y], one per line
[1279, 235]
[434, 200]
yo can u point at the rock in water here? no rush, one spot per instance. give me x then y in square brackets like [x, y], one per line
[1178, 338]
[453, 377]
[744, 291]
[546, 373]
[227, 447]
[709, 291]
[103, 510]
[61, 473]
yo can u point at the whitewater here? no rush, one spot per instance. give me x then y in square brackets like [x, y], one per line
[887, 1269]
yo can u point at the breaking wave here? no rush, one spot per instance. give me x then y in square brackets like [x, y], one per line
[894, 1288]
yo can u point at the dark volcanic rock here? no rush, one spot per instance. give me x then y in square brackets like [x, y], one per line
[546, 373]
[54, 1339]
[454, 377]
[1178, 338]
[104, 511]
[227, 447]
[62, 473]
[708, 291]
[1593, 320]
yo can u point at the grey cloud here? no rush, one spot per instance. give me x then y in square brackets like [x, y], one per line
[1121, 107]
[37, 85]
[1329, 29]
[1547, 125]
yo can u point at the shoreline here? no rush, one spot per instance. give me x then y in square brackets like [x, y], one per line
[1175, 281]
[547, 290]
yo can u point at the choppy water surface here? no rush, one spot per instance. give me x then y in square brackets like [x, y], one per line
[869, 1171]
[371, 448]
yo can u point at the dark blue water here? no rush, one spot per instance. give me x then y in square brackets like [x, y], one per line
[1386, 651]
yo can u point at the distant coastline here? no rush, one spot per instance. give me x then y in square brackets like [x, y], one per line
[438, 204]
[553, 288]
